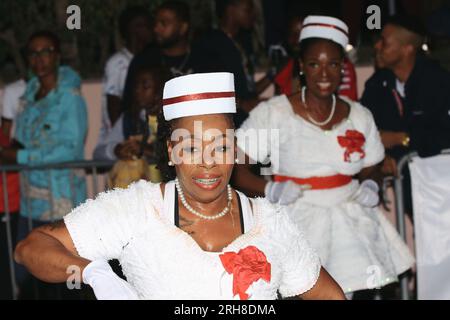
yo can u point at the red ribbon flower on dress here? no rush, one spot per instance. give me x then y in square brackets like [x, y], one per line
[352, 142]
[247, 266]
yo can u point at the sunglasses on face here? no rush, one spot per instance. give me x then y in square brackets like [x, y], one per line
[43, 53]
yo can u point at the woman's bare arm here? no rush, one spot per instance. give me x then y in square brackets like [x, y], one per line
[48, 252]
[326, 288]
[374, 172]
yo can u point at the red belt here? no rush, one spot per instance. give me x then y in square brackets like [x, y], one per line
[318, 183]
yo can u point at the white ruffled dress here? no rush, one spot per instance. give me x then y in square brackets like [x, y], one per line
[357, 245]
[136, 226]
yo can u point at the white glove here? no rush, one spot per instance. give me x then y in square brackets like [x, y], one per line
[367, 194]
[106, 284]
[283, 192]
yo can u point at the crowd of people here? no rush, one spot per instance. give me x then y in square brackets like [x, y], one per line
[317, 228]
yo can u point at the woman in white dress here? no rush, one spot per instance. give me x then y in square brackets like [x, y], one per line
[326, 150]
[190, 238]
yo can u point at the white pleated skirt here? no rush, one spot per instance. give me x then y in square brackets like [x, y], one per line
[357, 245]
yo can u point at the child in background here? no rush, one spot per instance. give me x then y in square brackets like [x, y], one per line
[131, 138]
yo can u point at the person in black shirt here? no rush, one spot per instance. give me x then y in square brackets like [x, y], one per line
[409, 96]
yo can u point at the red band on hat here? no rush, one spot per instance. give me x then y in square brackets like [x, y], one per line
[198, 96]
[325, 25]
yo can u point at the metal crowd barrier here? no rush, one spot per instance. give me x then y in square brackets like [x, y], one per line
[400, 214]
[94, 167]
[400, 210]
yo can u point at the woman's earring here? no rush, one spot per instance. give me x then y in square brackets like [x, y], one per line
[236, 160]
[170, 163]
[301, 72]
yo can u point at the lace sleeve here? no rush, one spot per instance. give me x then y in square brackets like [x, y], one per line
[101, 228]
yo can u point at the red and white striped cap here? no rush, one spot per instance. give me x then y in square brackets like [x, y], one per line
[325, 27]
[199, 94]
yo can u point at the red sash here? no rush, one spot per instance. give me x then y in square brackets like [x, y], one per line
[318, 183]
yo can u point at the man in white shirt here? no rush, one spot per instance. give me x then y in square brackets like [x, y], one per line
[10, 104]
[135, 29]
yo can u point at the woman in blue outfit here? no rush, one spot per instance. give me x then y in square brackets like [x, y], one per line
[50, 128]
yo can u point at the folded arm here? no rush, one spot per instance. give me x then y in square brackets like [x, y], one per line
[48, 251]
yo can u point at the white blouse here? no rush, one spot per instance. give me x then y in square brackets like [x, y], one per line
[136, 226]
[297, 148]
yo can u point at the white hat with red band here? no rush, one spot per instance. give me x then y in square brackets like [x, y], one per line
[325, 27]
[199, 94]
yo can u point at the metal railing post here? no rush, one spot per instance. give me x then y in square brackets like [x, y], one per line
[400, 215]
[94, 180]
[49, 169]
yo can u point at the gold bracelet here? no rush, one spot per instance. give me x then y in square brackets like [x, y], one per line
[405, 141]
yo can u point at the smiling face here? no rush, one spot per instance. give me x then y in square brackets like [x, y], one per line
[321, 64]
[203, 150]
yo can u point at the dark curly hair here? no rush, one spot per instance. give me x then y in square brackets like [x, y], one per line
[50, 35]
[165, 129]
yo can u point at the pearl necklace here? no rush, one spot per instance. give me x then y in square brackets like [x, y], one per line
[317, 123]
[198, 214]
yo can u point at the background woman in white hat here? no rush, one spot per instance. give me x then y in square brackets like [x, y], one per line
[328, 149]
[190, 238]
